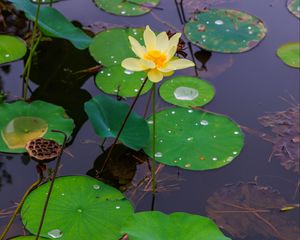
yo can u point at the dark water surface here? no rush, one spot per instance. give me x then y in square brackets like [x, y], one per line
[247, 86]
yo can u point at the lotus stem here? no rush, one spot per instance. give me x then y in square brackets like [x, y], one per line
[32, 49]
[52, 183]
[153, 167]
[12, 219]
[122, 127]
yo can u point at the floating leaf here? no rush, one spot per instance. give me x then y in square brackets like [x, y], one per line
[225, 30]
[286, 127]
[107, 116]
[112, 46]
[79, 206]
[11, 48]
[245, 209]
[289, 53]
[294, 7]
[119, 81]
[21, 122]
[53, 24]
[206, 140]
[127, 7]
[159, 226]
[187, 91]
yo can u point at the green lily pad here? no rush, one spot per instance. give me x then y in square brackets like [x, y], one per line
[21, 122]
[119, 81]
[53, 24]
[206, 140]
[112, 46]
[187, 91]
[127, 7]
[183, 226]
[11, 48]
[294, 7]
[27, 238]
[225, 30]
[289, 53]
[80, 207]
[107, 116]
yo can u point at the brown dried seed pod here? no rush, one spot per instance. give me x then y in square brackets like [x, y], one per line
[43, 150]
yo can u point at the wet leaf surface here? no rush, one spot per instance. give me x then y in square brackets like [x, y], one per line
[159, 226]
[79, 206]
[286, 128]
[185, 91]
[207, 140]
[11, 48]
[246, 209]
[225, 30]
[21, 122]
[127, 7]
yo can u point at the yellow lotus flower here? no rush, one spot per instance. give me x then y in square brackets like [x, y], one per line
[157, 57]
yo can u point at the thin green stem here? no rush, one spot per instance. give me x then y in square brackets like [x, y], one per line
[52, 183]
[33, 186]
[122, 127]
[153, 168]
[32, 48]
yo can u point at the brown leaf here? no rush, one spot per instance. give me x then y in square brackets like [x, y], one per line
[246, 209]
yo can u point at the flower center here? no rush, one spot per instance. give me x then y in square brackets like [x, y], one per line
[157, 57]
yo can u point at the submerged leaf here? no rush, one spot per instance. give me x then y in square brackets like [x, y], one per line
[225, 30]
[159, 226]
[53, 24]
[79, 206]
[11, 48]
[286, 127]
[107, 116]
[206, 140]
[247, 209]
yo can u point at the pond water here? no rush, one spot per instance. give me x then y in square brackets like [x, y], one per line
[248, 85]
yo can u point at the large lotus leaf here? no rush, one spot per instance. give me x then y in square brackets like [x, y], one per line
[80, 207]
[187, 91]
[21, 122]
[119, 81]
[206, 140]
[294, 7]
[289, 53]
[11, 48]
[127, 8]
[225, 30]
[112, 46]
[53, 24]
[159, 226]
[107, 116]
[27, 238]
[245, 210]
